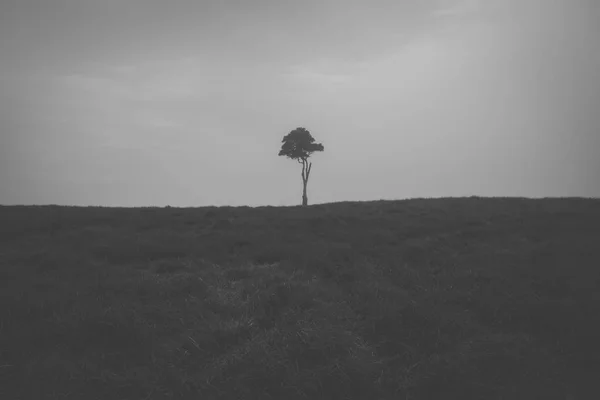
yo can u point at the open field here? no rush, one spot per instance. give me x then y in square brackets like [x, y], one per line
[470, 298]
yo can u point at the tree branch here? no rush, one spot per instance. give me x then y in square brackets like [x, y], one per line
[303, 168]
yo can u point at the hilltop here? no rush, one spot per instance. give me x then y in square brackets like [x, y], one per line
[453, 298]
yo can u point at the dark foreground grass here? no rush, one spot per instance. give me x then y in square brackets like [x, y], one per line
[467, 298]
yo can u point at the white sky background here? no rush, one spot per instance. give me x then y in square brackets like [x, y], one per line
[185, 102]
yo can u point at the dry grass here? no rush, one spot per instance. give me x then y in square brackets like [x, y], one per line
[418, 299]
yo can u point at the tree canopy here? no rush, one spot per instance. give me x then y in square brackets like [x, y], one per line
[299, 144]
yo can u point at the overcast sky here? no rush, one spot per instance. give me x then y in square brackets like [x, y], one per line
[185, 102]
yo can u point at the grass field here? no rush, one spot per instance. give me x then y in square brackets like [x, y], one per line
[454, 298]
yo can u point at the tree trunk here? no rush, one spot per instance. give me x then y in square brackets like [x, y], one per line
[304, 198]
[306, 167]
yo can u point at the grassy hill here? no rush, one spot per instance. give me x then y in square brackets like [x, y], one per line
[454, 298]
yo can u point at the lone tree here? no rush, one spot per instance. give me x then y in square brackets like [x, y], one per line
[299, 145]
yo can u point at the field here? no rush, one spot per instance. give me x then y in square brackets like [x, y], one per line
[452, 298]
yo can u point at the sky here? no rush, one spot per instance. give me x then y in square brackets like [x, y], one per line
[185, 102]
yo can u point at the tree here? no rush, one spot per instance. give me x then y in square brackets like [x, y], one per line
[299, 145]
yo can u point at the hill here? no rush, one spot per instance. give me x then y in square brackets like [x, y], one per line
[453, 298]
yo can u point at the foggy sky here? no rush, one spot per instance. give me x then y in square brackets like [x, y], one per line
[185, 102]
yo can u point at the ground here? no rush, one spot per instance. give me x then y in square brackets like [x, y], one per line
[453, 298]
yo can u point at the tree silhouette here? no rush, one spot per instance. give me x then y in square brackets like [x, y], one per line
[299, 145]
